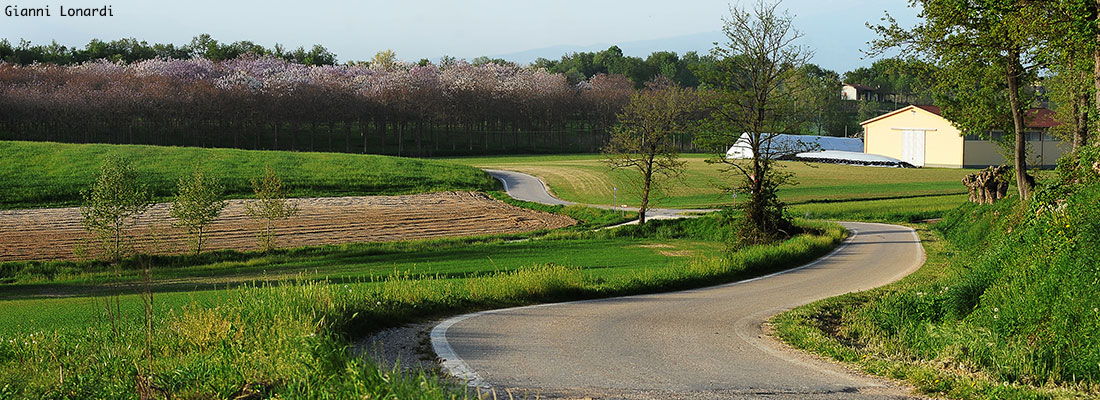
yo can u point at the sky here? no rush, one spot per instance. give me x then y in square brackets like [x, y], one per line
[415, 29]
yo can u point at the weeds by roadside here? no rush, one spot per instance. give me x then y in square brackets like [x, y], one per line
[999, 310]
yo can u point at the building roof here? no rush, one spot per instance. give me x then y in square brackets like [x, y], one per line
[1035, 117]
[1040, 118]
[932, 109]
[861, 87]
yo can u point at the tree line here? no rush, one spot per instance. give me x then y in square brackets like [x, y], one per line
[129, 50]
[431, 130]
[264, 102]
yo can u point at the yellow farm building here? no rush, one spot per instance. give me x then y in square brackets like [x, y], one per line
[921, 136]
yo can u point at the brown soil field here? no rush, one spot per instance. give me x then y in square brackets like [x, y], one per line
[50, 234]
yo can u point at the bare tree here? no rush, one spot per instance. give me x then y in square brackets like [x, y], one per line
[755, 95]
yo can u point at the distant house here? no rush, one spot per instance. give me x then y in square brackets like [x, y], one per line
[855, 91]
[921, 136]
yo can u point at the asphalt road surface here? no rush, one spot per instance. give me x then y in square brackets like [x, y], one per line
[698, 344]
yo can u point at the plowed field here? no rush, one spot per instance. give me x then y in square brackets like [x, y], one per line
[44, 234]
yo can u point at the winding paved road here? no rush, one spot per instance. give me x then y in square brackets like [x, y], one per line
[698, 344]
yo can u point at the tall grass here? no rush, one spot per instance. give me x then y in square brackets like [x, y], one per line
[1005, 307]
[291, 340]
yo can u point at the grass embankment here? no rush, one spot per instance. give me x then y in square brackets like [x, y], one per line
[823, 190]
[53, 174]
[290, 339]
[1005, 307]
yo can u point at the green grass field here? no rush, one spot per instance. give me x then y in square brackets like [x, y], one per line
[37, 174]
[585, 179]
[226, 324]
[286, 326]
[33, 304]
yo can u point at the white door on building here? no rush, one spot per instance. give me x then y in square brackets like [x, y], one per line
[912, 147]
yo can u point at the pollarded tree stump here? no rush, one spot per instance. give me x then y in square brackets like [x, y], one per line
[988, 185]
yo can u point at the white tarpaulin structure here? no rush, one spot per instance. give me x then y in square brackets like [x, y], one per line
[789, 145]
[851, 158]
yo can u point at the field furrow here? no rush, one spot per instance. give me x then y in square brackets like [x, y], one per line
[57, 233]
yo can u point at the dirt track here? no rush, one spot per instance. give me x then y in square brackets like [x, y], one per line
[53, 233]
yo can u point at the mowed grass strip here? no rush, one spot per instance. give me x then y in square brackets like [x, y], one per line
[586, 179]
[42, 174]
[904, 209]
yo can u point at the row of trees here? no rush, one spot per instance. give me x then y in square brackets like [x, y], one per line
[118, 197]
[270, 103]
[129, 50]
[583, 65]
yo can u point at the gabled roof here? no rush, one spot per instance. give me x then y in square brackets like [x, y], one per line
[861, 87]
[901, 110]
[932, 109]
[1040, 118]
[1035, 117]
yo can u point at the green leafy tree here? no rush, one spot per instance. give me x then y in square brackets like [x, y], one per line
[821, 101]
[112, 203]
[270, 205]
[1072, 34]
[386, 58]
[754, 94]
[988, 54]
[198, 203]
[904, 81]
[643, 141]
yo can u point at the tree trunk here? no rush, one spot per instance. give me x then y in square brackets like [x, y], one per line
[382, 136]
[647, 180]
[1081, 119]
[1096, 58]
[363, 131]
[294, 129]
[1024, 181]
[418, 134]
[401, 138]
[330, 137]
[276, 145]
[312, 135]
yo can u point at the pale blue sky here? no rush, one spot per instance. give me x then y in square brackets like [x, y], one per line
[417, 29]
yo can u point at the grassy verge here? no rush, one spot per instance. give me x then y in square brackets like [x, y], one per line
[903, 209]
[1005, 306]
[290, 340]
[53, 174]
[585, 179]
